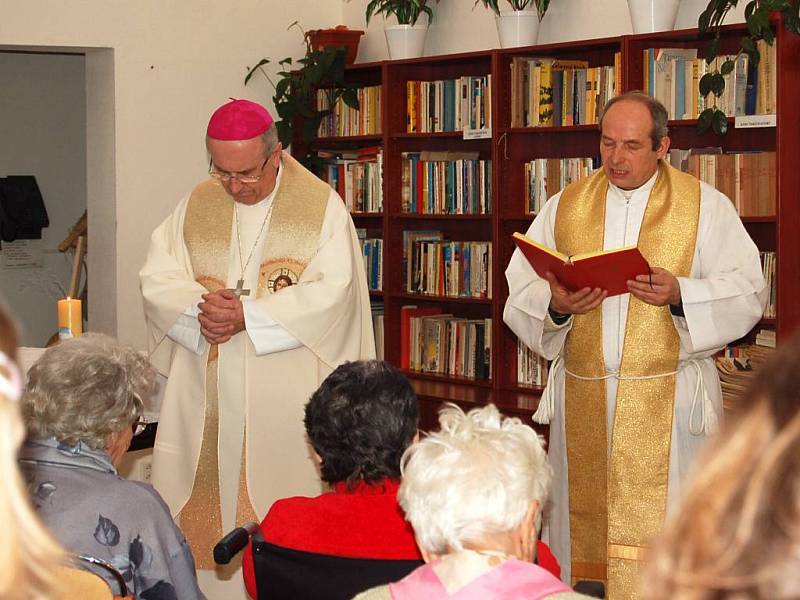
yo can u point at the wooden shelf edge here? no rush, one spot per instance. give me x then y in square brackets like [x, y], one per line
[432, 298]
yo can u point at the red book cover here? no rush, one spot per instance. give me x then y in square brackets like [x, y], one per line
[607, 269]
[406, 312]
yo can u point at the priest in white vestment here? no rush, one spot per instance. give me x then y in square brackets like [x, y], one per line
[712, 294]
[254, 291]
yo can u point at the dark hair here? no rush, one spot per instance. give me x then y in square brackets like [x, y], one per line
[658, 113]
[361, 420]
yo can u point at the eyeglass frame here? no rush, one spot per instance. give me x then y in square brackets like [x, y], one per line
[138, 426]
[246, 179]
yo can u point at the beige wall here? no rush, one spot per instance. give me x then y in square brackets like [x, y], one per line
[155, 69]
[171, 62]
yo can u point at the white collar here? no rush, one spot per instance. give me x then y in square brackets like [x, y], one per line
[643, 191]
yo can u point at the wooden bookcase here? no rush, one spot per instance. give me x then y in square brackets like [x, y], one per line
[509, 148]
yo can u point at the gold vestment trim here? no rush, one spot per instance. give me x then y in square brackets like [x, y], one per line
[621, 500]
[292, 239]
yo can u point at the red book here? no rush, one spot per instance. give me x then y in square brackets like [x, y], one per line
[406, 312]
[606, 269]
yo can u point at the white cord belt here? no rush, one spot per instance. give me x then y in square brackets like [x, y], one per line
[708, 416]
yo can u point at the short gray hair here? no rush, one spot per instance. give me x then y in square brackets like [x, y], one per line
[85, 388]
[658, 113]
[270, 139]
[475, 477]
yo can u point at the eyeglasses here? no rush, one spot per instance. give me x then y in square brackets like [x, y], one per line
[138, 426]
[226, 177]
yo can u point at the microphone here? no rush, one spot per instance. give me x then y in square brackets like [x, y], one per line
[232, 543]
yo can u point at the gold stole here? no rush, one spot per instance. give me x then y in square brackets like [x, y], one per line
[618, 503]
[292, 240]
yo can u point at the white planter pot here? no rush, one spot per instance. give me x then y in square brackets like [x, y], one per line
[405, 41]
[648, 16]
[517, 28]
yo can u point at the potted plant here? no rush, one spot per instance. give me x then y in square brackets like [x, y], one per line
[295, 97]
[520, 25]
[407, 38]
[757, 18]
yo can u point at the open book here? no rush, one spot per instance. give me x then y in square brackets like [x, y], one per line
[606, 269]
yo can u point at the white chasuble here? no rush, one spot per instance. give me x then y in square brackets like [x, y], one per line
[323, 316]
[722, 299]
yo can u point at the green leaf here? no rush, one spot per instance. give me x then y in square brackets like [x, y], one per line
[704, 120]
[259, 64]
[747, 44]
[350, 98]
[706, 84]
[704, 20]
[718, 84]
[284, 133]
[719, 122]
[727, 67]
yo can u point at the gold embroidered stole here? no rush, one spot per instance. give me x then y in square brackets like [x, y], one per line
[618, 502]
[292, 240]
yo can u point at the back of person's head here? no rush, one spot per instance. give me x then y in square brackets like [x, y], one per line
[28, 554]
[360, 421]
[86, 388]
[737, 531]
[476, 477]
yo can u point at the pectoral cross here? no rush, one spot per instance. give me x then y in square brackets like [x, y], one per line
[240, 291]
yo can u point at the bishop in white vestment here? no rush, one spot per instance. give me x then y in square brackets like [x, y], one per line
[721, 294]
[254, 291]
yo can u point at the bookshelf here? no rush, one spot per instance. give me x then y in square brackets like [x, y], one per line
[509, 149]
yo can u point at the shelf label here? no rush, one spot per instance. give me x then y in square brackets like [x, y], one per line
[747, 121]
[478, 134]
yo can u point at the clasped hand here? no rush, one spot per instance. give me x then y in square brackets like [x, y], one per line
[659, 288]
[221, 316]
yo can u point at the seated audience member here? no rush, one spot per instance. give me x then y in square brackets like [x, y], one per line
[28, 553]
[736, 533]
[82, 404]
[474, 493]
[359, 422]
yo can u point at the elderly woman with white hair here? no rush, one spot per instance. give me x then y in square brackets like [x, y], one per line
[82, 404]
[474, 492]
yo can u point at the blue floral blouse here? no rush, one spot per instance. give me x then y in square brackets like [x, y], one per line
[93, 511]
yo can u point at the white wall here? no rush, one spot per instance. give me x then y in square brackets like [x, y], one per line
[457, 27]
[43, 133]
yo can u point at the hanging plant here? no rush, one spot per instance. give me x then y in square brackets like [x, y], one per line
[756, 15]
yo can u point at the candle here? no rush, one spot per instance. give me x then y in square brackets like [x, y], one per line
[70, 319]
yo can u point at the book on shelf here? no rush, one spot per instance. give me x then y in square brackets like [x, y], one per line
[548, 92]
[736, 366]
[437, 267]
[356, 175]
[532, 369]
[344, 120]
[768, 268]
[372, 253]
[460, 104]
[377, 327]
[446, 183]
[746, 178]
[441, 343]
[672, 75]
[546, 176]
[609, 270]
